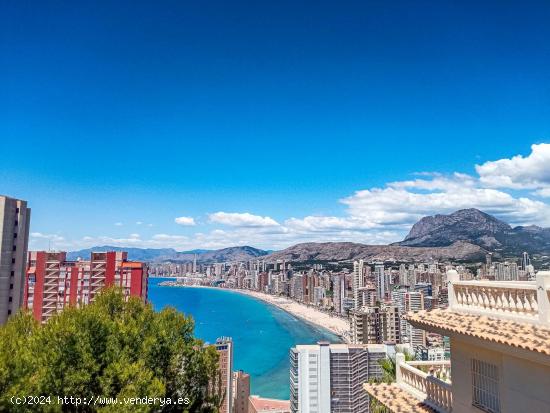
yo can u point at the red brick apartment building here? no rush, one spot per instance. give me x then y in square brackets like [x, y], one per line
[52, 282]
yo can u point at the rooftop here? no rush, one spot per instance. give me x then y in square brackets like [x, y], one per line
[512, 333]
[396, 399]
[261, 404]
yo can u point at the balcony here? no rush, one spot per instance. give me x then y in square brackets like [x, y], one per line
[512, 316]
[526, 302]
[429, 382]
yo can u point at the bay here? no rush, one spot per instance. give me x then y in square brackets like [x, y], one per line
[262, 333]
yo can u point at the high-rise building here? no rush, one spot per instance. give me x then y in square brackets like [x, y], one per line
[525, 261]
[52, 282]
[14, 229]
[339, 293]
[329, 378]
[412, 301]
[375, 325]
[241, 391]
[357, 282]
[366, 325]
[383, 281]
[224, 385]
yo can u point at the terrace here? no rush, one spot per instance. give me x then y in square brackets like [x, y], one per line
[510, 318]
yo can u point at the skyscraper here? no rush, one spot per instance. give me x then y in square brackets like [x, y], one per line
[14, 229]
[224, 386]
[525, 261]
[329, 377]
[357, 282]
[382, 282]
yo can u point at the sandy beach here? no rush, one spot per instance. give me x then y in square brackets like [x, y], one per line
[335, 325]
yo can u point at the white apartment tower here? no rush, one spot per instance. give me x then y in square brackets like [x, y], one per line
[329, 378]
[357, 282]
[14, 229]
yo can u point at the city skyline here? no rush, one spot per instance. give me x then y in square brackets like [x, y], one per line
[306, 123]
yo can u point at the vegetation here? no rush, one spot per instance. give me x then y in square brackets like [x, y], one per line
[389, 366]
[111, 348]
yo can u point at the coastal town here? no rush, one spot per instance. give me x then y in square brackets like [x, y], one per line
[378, 310]
[275, 207]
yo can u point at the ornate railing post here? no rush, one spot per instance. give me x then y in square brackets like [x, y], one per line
[543, 285]
[452, 278]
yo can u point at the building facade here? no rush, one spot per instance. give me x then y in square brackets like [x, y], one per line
[329, 377]
[241, 391]
[52, 282]
[14, 231]
[224, 385]
[500, 352]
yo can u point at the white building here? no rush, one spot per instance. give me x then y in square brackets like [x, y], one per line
[328, 378]
[357, 282]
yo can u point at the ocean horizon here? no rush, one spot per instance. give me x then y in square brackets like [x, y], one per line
[262, 333]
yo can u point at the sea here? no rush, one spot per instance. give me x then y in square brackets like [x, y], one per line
[262, 333]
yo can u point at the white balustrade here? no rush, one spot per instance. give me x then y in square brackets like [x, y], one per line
[526, 301]
[428, 388]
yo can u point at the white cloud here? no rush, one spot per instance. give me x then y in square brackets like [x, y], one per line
[403, 203]
[139, 222]
[373, 215]
[50, 237]
[243, 219]
[118, 224]
[519, 172]
[185, 221]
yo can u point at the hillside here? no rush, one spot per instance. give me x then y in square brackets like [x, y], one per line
[479, 228]
[346, 251]
[242, 253]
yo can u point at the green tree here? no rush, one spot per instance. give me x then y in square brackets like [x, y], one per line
[112, 348]
[388, 366]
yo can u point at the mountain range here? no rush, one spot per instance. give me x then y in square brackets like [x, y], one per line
[465, 235]
[242, 253]
[478, 228]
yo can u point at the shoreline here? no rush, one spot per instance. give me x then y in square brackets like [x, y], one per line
[310, 315]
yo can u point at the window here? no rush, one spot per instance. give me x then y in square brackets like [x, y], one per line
[485, 392]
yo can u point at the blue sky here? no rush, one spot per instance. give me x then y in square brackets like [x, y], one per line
[314, 118]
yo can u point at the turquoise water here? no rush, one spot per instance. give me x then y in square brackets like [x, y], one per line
[262, 334]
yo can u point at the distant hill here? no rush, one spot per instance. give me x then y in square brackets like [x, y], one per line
[347, 251]
[465, 235]
[138, 254]
[479, 228]
[242, 253]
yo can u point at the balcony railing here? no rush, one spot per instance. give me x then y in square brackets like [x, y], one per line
[524, 301]
[428, 381]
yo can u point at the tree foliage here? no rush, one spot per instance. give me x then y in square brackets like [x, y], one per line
[111, 348]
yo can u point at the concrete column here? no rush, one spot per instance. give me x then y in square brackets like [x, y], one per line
[543, 285]
[452, 278]
[399, 358]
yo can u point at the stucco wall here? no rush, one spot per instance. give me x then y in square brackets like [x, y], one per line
[524, 385]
